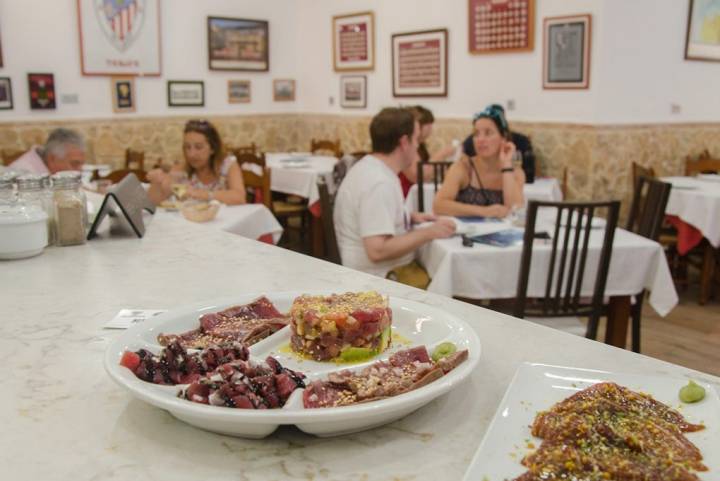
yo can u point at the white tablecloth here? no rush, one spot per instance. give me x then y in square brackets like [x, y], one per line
[487, 272]
[250, 220]
[697, 202]
[542, 189]
[297, 173]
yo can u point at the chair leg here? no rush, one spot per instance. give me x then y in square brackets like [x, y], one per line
[636, 313]
[706, 274]
[592, 327]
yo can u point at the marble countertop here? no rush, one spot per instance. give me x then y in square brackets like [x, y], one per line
[65, 419]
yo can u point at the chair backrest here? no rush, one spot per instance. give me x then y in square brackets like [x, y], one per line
[564, 188]
[10, 156]
[647, 211]
[243, 149]
[703, 165]
[438, 175]
[641, 171]
[250, 158]
[117, 175]
[326, 146]
[568, 258]
[257, 184]
[134, 159]
[327, 206]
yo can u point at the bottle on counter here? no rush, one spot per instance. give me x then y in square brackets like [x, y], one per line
[34, 191]
[70, 208]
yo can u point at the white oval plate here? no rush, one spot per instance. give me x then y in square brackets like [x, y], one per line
[414, 324]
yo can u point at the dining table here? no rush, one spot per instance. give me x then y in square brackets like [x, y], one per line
[63, 418]
[485, 272]
[694, 209]
[296, 173]
[544, 188]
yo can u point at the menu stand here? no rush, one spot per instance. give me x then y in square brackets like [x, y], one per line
[130, 198]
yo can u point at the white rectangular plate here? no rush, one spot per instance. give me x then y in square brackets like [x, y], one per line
[536, 387]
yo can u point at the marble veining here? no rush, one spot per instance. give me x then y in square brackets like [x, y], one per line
[64, 419]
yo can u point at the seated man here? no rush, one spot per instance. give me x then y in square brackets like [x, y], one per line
[522, 145]
[64, 150]
[372, 227]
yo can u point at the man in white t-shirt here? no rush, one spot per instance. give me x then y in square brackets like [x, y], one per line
[372, 227]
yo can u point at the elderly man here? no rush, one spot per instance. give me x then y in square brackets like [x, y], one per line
[372, 227]
[64, 150]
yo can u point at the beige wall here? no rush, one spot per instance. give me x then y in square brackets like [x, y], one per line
[598, 157]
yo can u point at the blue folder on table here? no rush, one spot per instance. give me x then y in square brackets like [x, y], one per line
[503, 238]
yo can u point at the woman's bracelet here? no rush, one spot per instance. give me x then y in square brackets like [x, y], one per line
[507, 169]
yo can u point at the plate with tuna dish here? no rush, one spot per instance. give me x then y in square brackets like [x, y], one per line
[328, 363]
[561, 423]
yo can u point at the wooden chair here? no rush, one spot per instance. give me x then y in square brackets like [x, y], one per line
[702, 165]
[564, 185]
[327, 204]
[134, 159]
[117, 175]
[439, 169]
[647, 213]
[568, 257]
[258, 183]
[326, 146]
[9, 156]
[641, 171]
[243, 149]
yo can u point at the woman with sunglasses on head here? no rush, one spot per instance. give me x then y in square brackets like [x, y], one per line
[487, 184]
[211, 175]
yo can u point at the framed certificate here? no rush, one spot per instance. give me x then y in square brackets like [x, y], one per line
[566, 52]
[501, 26]
[354, 42]
[420, 63]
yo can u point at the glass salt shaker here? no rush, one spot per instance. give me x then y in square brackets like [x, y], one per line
[7, 189]
[70, 208]
[33, 190]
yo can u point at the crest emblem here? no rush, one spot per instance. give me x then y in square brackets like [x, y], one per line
[120, 20]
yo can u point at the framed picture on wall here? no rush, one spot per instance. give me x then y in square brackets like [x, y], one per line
[123, 94]
[354, 42]
[566, 52]
[702, 41]
[238, 91]
[6, 98]
[283, 90]
[41, 87]
[238, 44]
[119, 37]
[353, 91]
[420, 63]
[499, 27]
[186, 93]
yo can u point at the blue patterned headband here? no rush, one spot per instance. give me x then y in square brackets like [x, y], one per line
[496, 114]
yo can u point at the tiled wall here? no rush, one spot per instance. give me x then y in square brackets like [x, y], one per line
[598, 158]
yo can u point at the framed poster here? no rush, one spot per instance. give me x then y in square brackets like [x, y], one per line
[702, 40]
[6, 98]
[354, 42]
[123, 94]
[41, 87]
[283, 90]
[186, 93]
[566, 52]
[353, 91]
[501, 26]
[238, 44]
[420, 63]
[238, 91]
[119, 37]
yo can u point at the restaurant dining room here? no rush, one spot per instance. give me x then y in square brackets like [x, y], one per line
[358, 240]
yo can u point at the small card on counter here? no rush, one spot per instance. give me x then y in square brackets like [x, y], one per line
[127, 318]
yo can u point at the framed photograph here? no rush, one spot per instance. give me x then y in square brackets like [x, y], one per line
[119, 37]
[6, 98]
[353, 91]
[354, 42]
[703, 31]
[41, 87]
[500, 27]
[238, 91]
[283, 90]
[238, 44]
[123, 94]
[186, 93]
[420, 63]
[566, 52]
